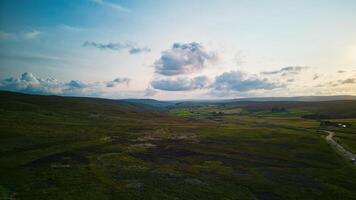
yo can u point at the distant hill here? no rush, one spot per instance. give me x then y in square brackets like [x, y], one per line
[151, 102]
[20, 101]
[316, 109]
[157, 105]
[301, 98]
[264, 101]
[196, 102]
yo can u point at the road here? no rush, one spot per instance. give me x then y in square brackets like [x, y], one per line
[348, 155]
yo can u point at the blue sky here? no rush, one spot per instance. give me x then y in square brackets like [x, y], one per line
[178, 49]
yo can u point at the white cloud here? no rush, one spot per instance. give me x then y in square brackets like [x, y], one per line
[149, 92]
[30, 35]
[69, 28]
[183, 58]
[28, 83]
[7, 36]
[129, 46]
[235, 82]
[285, 71]
[111, 5]
[181, 84]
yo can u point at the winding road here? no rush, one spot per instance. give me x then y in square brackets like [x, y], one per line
[348, 155]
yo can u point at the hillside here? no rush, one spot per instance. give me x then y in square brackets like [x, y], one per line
[87, 148]
[26, 102]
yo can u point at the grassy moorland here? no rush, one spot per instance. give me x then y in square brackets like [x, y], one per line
[85, 148]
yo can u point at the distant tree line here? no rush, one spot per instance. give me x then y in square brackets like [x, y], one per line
[326, 116]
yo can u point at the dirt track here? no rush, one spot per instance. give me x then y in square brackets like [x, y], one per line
[350, 156]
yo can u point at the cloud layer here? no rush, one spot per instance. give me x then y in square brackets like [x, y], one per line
[226, 83]
[178, 64]
[183, 58]
[181, 84]
[28, 83]
[131, 48]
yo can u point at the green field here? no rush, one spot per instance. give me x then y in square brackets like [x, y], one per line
[84, 148]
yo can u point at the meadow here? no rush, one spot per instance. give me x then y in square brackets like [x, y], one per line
[86, 148]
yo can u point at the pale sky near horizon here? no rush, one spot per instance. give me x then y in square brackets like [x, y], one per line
[178, 49]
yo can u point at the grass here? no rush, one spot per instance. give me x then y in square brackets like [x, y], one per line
[82, 148]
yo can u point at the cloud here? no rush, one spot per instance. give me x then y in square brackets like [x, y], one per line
[137, 50]
[69, 28]
[181, 84]
[236, 81]
[30, 35]
[30, 57]
[348, 81]
[286, 70]
[110, 46]
[132, 49]
[28, 83]
[338, 82]
[239, 58]
[7, 36]
[149, 92]
[111, 5]
[316, 76]
[183, 58]
[117, 82]
[341, 71]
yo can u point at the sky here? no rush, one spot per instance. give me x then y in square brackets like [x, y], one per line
[200, 49]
